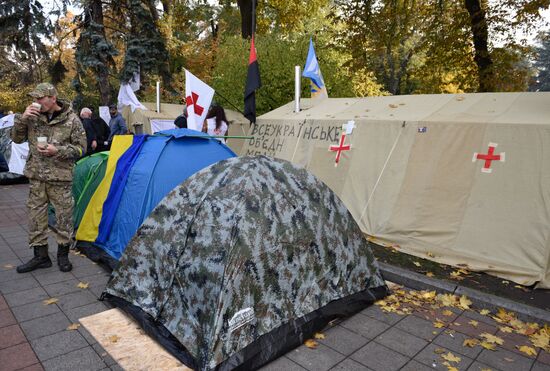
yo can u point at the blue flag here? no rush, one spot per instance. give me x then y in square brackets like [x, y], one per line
[313, 72]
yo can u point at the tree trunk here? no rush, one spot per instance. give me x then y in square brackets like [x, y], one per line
[102, 72]
[480, 35]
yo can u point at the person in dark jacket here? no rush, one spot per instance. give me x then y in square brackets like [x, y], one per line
[117, 124]
[102, 132]
[91, 137]
[181, 120]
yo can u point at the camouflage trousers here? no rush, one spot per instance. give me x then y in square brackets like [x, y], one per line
[60, 195]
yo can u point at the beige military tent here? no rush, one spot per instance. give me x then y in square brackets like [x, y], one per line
[459, 179]
[150, 121]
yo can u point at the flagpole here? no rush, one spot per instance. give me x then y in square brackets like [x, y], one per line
[253, 17]
[228, 101]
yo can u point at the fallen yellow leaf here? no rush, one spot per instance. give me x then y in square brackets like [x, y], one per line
[429, 295]
[470, 343]
[73, 326]
[492, 338]
[504, 315]
[447, 313]
[540, 339]
[507, 359]
[451, 357]
[527, 350]
[487, 345]
[311, 344]
[50, 301]
[474, 323]
[506, 329]
[319, 336]
[430, 274]
[484, 312]
[83, 285]
[524, 289]
[439, 350]
[465, 302]
[439, 324]
[517, 324]
[417, 264]
[447, 300]
[114, 338]
[431, 255]
[486, 369]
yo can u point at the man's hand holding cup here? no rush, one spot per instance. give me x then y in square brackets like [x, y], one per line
[42, 142]
[32, 110]
[45, 148]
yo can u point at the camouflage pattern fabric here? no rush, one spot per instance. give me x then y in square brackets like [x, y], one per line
[5, 143]
[65, 132]
[60, 195]
[239, 249]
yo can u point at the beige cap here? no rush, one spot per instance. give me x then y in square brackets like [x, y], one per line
[44, 89]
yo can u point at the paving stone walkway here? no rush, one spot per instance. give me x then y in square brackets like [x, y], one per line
[34, 336]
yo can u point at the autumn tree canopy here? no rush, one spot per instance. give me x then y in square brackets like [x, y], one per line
[365, 47]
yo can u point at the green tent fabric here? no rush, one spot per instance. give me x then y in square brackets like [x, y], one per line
[88, 173]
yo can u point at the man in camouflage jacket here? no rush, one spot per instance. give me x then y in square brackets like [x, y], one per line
[50, 171]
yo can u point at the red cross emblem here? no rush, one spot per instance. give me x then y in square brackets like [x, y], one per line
[192, 101]
[488, 158]
[340, 148]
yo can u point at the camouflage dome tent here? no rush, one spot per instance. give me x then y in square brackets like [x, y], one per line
[242, 262]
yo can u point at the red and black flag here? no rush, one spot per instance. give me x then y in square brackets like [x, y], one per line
[252, 83]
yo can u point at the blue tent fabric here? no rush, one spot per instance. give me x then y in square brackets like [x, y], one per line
[124, 164]
[166, 159]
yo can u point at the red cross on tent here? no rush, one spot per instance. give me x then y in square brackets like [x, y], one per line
[339, 148]
[489, 158]
[193, 101]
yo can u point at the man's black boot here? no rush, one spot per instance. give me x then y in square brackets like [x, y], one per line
[63, 258]
[40, 260]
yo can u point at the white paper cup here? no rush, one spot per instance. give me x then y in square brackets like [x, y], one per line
[38, 106]
[42, 142]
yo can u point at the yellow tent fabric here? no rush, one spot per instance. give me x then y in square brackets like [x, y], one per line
[88, 229]
[417, 175]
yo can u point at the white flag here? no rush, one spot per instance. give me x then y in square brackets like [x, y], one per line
[126, 97]
[104, 114]
[198, 97]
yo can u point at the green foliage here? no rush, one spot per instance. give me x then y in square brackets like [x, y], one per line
[277, 72]
[145, 46]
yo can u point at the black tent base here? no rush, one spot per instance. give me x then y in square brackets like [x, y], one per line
[12, 179]
[97, 255]
[267, 347]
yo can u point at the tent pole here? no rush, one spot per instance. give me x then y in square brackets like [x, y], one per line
[297, 89]
[158, 96]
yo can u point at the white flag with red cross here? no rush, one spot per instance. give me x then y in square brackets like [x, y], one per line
[198, 97]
